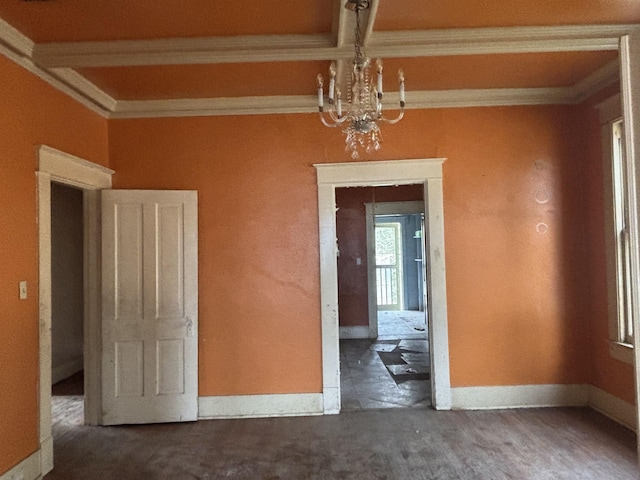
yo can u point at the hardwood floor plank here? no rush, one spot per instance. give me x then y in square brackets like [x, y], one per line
[389, 444]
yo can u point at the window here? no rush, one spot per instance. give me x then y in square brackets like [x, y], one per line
[617, 221]
[621, 226]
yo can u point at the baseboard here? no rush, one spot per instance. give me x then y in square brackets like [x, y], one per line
[613, 407]
[28, 469]
[357, 332]
[67, 369]
[256, 406]
[520, 396]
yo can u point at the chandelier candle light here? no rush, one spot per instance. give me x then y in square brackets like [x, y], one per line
[361, 117]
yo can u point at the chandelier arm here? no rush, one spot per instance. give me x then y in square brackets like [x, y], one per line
[325, 122]
[395, 120]
[337, 120]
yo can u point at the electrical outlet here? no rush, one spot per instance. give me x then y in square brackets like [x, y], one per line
[23, 290]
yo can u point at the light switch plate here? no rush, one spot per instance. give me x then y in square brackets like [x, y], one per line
[23, 290]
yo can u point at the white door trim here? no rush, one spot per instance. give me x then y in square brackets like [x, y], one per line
[382, 208]
[54, 165]
[361, 174]
[630, 92]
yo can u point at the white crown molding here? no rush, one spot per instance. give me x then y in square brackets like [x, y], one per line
[282, 48]
[598, 80]
[493, 97]
[16, 41]
[51, 63]
[183, 51]
[28, 65]
[85, 87]
[195, 107]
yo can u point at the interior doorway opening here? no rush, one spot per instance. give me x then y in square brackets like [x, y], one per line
[399, 279]
[427, 173]
[384, 348]
[67, 308]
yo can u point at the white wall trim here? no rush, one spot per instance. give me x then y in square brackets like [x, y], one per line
[55, 165]
[519, 396]
[28, 469]
[395, 172]
[613, 407]
[354, 332]
[630, 94]
[534, 396]
[256, 406]
[73, 170]
[67, 369]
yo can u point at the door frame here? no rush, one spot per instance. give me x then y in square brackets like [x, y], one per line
[373, 174]
[60, 167]
[382, 208]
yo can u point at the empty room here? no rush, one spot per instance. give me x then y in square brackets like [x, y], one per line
[319, 239]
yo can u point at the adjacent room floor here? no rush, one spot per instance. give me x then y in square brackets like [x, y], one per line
[390, 372]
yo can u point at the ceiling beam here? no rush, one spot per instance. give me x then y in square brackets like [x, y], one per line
[307, 104]
[284, 48]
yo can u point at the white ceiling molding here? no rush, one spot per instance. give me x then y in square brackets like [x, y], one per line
[307, 104]
[492, 97]
[196, 107]
[284, 48]
[183, 51]
[59, 57]
[607, 75]
[12, 38]
[85, 87]
[18, 48]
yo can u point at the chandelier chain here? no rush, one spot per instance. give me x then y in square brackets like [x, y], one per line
[361, 119]
[358, 45]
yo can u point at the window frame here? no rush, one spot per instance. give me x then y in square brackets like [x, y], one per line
[617, 208]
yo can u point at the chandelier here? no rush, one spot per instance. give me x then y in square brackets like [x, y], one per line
[361, 117]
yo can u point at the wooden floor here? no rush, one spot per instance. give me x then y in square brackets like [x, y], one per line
[388, 444]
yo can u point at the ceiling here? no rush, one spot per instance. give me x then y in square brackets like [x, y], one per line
[171, 57]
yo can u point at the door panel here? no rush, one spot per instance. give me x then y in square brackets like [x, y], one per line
[149, 320]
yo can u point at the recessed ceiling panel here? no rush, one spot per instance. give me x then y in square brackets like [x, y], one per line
[530, 70]
[207, 81]
[88, 20]
[424, 15]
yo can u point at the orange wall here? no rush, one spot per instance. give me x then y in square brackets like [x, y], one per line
[516, 287]
[33, 113]
[259, 305]
[525, 284]
[351, 222]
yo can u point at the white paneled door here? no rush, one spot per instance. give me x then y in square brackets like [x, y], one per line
[149, 306]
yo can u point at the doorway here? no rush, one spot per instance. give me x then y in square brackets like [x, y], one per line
[428, 173]
[400, 293]
[384, 354]
[59, 167]
[67, 307]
